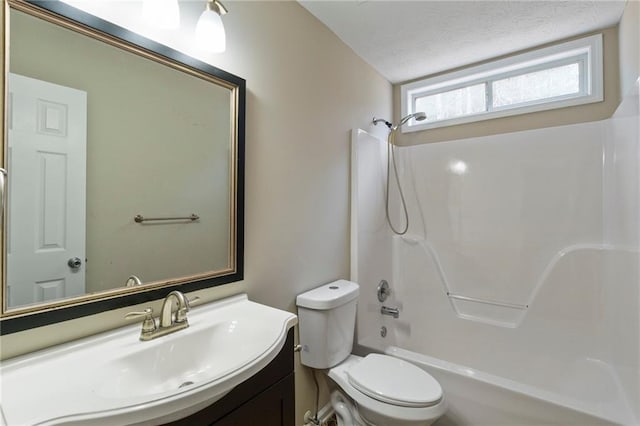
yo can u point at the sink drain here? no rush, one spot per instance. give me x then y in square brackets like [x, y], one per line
[185, 384]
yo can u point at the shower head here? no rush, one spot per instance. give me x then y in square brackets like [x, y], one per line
[418, 116]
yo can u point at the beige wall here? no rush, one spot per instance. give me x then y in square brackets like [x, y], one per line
[306, 90]
[158, 140]
[557, 117]
[630, 47]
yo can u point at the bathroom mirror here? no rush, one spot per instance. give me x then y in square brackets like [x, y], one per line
[125, 165]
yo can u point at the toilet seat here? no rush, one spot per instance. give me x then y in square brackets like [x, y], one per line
[394, 381]
[376, 411]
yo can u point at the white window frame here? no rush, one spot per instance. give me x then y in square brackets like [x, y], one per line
[587, 52]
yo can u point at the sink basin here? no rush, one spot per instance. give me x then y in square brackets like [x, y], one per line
[114, 378]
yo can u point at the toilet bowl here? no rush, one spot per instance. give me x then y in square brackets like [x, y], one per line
[374, 390]
[383, 390]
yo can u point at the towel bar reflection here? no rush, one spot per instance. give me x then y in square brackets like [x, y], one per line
[140, 219]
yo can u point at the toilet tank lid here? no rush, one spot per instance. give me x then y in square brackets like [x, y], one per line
[329, 296]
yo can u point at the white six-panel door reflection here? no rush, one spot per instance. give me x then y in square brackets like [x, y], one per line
[47, 126]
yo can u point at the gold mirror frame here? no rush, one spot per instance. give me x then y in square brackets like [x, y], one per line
[61, 14]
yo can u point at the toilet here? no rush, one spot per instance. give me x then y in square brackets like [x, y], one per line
[374, 390]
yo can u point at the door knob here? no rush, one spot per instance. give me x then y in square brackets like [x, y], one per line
[74, 263]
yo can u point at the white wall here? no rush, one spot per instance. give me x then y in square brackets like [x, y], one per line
[621, 306]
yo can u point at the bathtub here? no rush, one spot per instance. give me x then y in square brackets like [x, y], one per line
[476, 398]
[558, 364]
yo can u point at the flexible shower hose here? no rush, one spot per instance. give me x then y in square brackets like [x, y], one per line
[391, 158]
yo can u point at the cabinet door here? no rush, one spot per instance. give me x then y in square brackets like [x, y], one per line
[273, 407]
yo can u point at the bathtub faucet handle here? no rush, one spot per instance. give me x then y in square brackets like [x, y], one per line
[383, 291]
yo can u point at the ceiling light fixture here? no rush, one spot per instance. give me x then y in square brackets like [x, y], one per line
[210, 35]
[164, 14]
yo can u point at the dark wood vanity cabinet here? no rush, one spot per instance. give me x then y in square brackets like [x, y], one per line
[266, 399]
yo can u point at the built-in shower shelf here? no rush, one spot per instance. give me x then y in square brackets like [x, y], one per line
[487, 301]
[495, 312]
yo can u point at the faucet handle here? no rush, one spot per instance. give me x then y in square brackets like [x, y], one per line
[181, 313]
[148, 324]
[191, 301]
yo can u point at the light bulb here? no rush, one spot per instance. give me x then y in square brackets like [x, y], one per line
[164, 14]
[210, 34]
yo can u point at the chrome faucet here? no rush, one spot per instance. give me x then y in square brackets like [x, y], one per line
[394, 312]
[168, 321]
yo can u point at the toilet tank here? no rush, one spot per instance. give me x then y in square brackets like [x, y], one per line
[327, 318]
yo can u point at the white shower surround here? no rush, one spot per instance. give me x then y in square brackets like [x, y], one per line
[546, 219]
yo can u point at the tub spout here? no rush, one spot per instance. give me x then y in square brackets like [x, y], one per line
[394, 312]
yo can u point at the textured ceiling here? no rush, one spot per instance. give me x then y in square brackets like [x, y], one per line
[404, 40]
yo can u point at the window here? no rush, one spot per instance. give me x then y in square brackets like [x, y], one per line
[563, 75]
